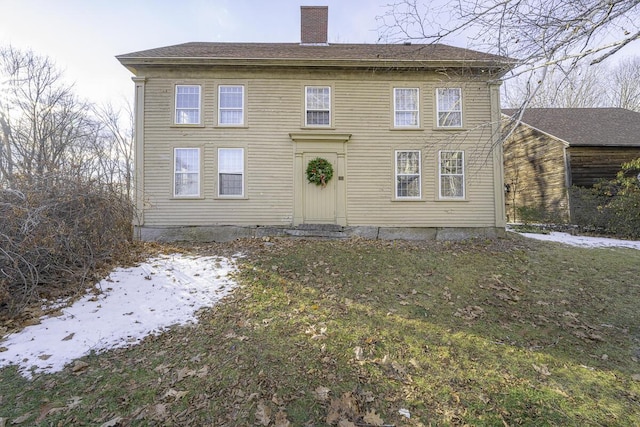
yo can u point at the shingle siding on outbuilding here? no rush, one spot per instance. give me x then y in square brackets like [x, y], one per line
[555, 148]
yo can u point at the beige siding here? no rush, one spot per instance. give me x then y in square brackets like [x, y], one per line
[362, 107]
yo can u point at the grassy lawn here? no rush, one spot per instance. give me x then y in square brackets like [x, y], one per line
[488, 332]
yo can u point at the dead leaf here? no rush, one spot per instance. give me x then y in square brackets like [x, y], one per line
[176, 395]
[21, 418]
[47, 410]
[359, 353]
[404, 412]
[74, 402]
[635, 377]
[321, 393]
[469, 312]
[263, 414]
[281, 419]
[112, 423]
[345, 423]
[159, 412]
[542, 369]
[184, 373]
[372, 418]
[79, 366]
[68, 337]
[203, 372]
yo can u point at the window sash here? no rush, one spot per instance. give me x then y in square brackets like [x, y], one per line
[187, 104]
[408, 174]
[318, 106]
[449, 106]
[406, 107]
[451, 174]
[231, 105]
[231, 172]
[186, 172]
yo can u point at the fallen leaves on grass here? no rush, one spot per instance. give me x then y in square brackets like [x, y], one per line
[349, 409]
[470, 312]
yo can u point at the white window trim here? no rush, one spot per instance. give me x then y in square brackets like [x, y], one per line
[220, 108]
[306, 106]
[175, 172]
[243, 172]
[438, 111]
[440, 175]
[396, 174]
[395, 110]
[175, 105]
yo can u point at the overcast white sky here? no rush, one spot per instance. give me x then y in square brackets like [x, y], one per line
[84, 36]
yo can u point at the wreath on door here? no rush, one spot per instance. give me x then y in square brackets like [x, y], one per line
[319, 171]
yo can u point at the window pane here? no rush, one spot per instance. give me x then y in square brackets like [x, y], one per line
[187, 172]
[187, 160]
[408, 174]
[406, 106]
[231, 96]
[449, 107]
[451, 162]
[452, 186]
[230, 160]
[318, 118]
[452, 174]
[318, 106]
[230, 184]
[406, 99]
[407, 118]
[318, 98]
[408, 162]
[408, 186]
[187, 184]
[231, 171]
[187, 104]
[230, 117]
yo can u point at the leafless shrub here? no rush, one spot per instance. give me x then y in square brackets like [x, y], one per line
[55, 235]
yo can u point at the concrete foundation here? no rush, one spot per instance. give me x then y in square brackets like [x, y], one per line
[226, 233]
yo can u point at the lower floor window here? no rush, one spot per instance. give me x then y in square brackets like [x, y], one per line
[231, 172]
[408, 174]
[451, 174]
[186, 177]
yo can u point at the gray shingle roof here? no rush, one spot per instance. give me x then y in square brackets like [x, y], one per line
[586, 126]
[331, 52]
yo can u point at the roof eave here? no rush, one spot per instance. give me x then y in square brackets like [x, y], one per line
[408, 64]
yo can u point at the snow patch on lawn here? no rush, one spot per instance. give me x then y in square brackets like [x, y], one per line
[134, 302]
[584, 241]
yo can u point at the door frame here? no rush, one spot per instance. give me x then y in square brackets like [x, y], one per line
[319, 142]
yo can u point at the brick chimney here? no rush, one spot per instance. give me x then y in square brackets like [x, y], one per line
[314, 21]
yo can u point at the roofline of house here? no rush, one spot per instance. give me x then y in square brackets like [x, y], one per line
[497, 68]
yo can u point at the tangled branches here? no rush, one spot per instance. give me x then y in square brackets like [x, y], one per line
[55, 236]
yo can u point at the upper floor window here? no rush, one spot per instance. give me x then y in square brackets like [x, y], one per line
[317, 106]
[187, 104]
[408, 174]
[449, 104]
[231, 172]
[230, 105]
[451, 174]
[406, 101]
[186, 172]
